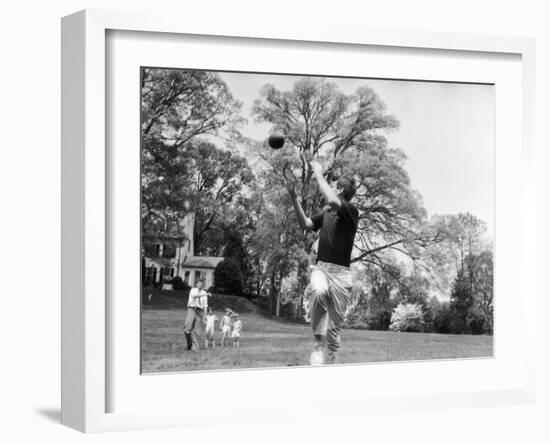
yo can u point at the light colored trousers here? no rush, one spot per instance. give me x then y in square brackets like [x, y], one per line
[328, 293]
[192, 324]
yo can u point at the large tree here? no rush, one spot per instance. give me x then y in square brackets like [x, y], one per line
[483, 284]
[471, 303]
[275, 247]
[217, 180]
[462, 238]
[462, 301]
[179, 110]
[346, 134]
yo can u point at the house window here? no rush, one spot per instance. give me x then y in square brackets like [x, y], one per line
[168, 272]
[169, 251]
[197, 275]
[149, 274]
[150, 250]
[186, 277]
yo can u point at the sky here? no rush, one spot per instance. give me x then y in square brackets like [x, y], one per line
[446, 130]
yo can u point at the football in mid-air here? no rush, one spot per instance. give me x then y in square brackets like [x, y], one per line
[276, 141]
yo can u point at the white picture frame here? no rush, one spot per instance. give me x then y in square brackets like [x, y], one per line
[85, 257]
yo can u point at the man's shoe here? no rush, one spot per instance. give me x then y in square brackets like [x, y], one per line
[316, 358]
[189, 341]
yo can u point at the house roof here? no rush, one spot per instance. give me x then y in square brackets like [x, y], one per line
[202, 261]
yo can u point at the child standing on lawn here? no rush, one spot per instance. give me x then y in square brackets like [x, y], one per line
[210, 321]
[225, 326]
[236, 333]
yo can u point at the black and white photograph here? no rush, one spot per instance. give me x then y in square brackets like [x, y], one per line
[292, 220]
[241, 221]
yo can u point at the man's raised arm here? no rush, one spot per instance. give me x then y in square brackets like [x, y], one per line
[305, 222]
[331, 197]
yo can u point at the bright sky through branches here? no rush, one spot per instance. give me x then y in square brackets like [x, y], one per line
[446, 131]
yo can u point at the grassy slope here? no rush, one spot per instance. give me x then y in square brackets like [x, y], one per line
[168, 299]
[267, 342]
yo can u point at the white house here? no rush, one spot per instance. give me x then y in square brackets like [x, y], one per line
[168, 256]
[200, 267]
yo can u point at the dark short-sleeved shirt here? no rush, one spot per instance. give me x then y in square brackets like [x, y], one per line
[338, 227]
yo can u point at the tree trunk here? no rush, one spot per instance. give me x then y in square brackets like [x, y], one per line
[278, 301]
[273, 293]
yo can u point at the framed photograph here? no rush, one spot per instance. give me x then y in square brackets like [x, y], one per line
[288, 221]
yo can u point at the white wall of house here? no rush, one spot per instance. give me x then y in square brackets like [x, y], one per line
[175, 266]
[171, 266]
[206, 274]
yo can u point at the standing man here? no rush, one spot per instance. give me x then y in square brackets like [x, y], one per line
[329, 286]
[196, 308]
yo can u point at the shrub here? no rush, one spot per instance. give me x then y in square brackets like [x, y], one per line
[407, 317]
[228, 277]
[179, 284]
[442, 321]
[478, 321]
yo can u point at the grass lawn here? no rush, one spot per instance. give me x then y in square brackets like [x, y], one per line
[269, 342]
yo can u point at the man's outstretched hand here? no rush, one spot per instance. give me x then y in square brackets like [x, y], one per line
[316, 166]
